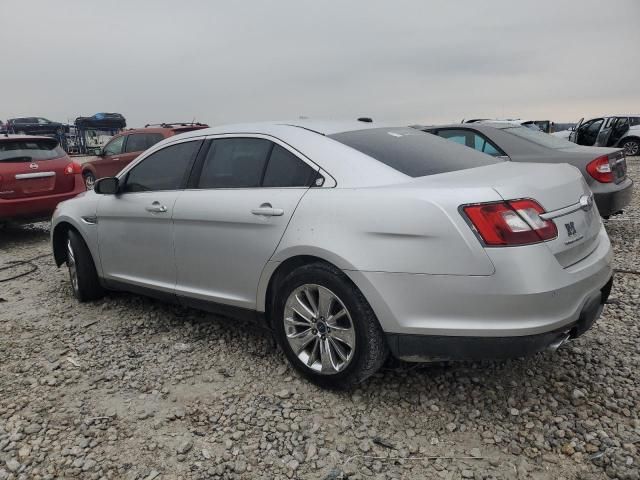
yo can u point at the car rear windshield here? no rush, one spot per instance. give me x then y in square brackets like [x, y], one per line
[413, 152]
[29, 150]
[539, 137]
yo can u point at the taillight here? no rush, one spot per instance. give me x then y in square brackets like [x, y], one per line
[600, 169]
[514, 222]
[72, 168]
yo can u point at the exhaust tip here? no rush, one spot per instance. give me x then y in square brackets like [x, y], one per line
[556, 344]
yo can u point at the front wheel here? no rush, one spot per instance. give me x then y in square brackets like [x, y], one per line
[89, 180]
[326, 327]
[631, 147]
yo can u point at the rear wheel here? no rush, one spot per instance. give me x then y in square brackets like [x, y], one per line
[89, 180]
[326, 327]
[631, 147]
[82, 271]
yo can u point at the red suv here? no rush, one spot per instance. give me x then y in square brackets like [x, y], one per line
[126, 146]
[35, 175]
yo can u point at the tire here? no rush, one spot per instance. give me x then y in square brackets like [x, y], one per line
[631, 147]
[82, 271]
[327, 357]
[89, 180]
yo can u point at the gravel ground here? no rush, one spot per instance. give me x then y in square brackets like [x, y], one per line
[135, 389]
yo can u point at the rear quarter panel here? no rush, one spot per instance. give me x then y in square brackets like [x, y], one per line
[408, 230]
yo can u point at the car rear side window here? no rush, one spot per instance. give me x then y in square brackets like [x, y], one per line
[286, 170]
[165, 169]
[138, 142]
[234, 163]
[31, 150]
[412, 151]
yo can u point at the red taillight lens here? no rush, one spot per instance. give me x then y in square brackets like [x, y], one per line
[600, 169]
[514, 222]
[72, 168]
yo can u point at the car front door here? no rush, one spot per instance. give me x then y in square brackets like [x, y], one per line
[230, 220]
[573, 136]
[135, 230]
[109, 163]
[587, 133]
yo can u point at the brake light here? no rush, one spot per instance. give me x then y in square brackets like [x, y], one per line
[72, 168]
[600, 169]
[514, 222]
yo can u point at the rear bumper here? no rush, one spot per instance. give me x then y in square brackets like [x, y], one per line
[613, 202]
[530, 294]
[426, 348]
[37, 208]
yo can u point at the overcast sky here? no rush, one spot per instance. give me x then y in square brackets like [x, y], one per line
[234, 61]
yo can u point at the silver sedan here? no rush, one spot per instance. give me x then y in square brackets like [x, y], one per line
[350, 240]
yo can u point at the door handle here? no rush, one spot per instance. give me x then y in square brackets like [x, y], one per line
[155, 207]
[267, 210]
[116, 159]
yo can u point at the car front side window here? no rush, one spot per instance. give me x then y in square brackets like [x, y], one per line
[114, 147]
[165, 169]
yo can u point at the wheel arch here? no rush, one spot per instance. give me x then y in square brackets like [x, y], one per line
[58, 238]
[275, 272]
[627, 138]
[88, 168]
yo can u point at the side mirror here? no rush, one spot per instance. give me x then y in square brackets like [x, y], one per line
[100, 152]
[106, 186]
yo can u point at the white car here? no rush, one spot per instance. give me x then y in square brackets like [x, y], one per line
[609, 131]
[350, 240]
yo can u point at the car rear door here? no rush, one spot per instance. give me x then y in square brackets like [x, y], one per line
[230, 221]
[135, 230]
[31, 167]
[605, 132]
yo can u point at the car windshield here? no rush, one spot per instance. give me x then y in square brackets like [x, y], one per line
[538, 137]
[413, 152]
[28, 150]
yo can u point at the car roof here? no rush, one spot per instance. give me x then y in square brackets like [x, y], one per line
[309, 138]
[475, 125]
[321, 127]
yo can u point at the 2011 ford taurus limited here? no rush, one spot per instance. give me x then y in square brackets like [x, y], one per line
[350, 240]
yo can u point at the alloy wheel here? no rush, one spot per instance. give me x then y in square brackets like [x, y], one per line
[631, 148]
[71, 265]
[319, 329]
[89, 181]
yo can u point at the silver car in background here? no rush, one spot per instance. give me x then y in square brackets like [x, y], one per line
[351, 240]
[604, 169]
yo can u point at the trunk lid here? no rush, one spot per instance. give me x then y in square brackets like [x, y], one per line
[33, 166]
[568, 202]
